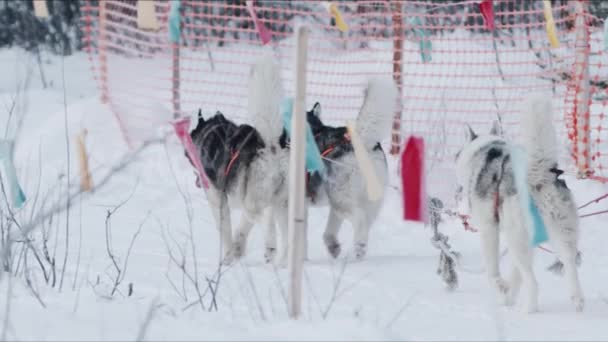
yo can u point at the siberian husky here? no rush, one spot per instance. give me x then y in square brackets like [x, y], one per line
[487, 173]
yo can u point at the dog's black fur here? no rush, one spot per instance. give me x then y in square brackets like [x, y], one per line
[217, 140]
[329, 137]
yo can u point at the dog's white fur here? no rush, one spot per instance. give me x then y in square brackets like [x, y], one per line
[555, 204]
[263, 184]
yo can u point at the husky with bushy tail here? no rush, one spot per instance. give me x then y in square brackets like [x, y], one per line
[498, 194]
[245, 164]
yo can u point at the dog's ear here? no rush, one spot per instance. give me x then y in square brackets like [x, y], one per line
[470, 134]
[200, 116]
[316, 110]
[496, 128]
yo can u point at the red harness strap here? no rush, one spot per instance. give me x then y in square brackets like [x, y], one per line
[235, 155]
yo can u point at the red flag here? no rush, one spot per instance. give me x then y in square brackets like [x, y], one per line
[181, 129]
[412, 177]
[486, 7]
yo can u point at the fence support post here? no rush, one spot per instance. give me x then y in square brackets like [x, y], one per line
[297, 169]
[397, 69]
[583, 97]
[103, 61]
[176, 81]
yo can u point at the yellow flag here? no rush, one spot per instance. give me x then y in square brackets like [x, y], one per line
[86, 183]
[335, 12]
[146, 15]
[372, 183]
[550, 24]
[40, 9]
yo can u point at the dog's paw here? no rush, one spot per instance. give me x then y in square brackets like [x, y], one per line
[270, 254]
[333, 246]
[501, 287]
[360, 250]
[238, 249]
[579, 303]
[282, 261]
[228, 258]
[530, 307]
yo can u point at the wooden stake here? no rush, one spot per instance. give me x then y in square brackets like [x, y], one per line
[297, 169]
[86, 182]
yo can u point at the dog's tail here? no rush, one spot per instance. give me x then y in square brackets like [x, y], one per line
[265, 94]
[376, 115]
[539, 138]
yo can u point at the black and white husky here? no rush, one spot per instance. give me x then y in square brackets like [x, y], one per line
[487, 172]
[245, 164]
[343, 187]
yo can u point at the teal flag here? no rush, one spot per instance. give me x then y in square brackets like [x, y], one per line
[10, 175]
[174, 21]
[313, 156]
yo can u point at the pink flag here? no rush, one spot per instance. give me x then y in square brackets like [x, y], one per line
[265, 35]
[181, 129]
[487, 11]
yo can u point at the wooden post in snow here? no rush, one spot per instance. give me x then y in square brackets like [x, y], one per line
[397, 71]
[175, 87]
[583, 91]
[297, 169]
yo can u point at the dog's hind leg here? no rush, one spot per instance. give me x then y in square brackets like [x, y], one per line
[361, 234]
[270, 239]
[334, 222]
[282, 221]
[518, 242]
[514, 285]
[489, 246]
[567, 252]
[242, 233]
[221, 213]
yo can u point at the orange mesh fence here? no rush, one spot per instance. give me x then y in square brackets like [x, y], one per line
[452, 69]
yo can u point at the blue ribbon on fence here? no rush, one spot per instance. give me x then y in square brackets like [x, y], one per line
[174, 21]
[313, 156]
[6, 156]
[425, 40]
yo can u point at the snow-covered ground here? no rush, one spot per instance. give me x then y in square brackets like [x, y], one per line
[394, 293]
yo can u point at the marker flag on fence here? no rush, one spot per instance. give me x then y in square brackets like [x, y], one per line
[336, 14]
[550, 24]
[486, 7]
[40, 9]
[174, 21]
[146, 15]
[425, 43]
[182, 129]
[412, 180]
[313, 156]
[372, 183]
[10, 175]
[265, 35]
[86, 183]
